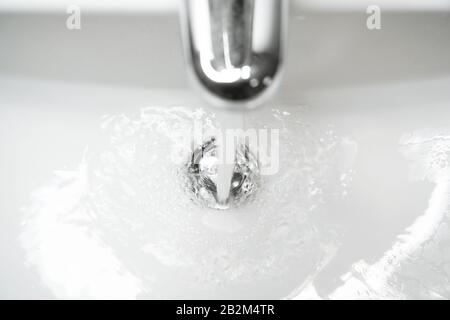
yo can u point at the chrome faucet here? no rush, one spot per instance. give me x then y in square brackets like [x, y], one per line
[234, 48]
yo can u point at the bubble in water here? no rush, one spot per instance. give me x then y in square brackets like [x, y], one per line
[200, 176]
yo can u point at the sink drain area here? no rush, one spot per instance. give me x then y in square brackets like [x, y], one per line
[201, 175]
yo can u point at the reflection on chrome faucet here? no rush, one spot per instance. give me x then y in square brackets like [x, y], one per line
[235, 48]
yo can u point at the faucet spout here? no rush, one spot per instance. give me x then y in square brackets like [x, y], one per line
[234, 48]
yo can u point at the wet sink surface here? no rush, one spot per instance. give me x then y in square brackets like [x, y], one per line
[91, 206]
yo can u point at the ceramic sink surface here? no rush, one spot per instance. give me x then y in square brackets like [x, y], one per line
[90, 202]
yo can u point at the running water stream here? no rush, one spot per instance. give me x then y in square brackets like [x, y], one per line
[225, 169]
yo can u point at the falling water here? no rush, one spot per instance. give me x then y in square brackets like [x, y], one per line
[225, 170]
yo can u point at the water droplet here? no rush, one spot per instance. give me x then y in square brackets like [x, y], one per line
[254, 83]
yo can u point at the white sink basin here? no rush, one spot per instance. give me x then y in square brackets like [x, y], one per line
[90, 202]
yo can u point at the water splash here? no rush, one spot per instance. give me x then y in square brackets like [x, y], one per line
[153, 241]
